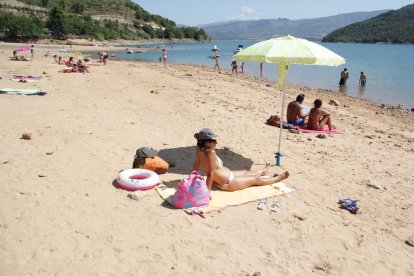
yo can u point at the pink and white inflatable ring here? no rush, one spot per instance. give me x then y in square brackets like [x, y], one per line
[138, 179]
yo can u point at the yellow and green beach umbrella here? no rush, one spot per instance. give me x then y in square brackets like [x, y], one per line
[288, 50]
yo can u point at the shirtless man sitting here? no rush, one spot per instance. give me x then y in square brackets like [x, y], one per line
[294, 111]
[318, 117]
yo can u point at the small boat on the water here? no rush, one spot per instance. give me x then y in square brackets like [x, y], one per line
[238, 50]
[215, 49]
[130, 51]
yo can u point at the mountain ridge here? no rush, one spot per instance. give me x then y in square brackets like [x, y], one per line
[310, 28]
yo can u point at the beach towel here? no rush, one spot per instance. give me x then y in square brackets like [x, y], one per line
[27, 77]
[222, 199]
[26, 59]
[25, 80]
[16, 91]
[67, 70]
[324, 130]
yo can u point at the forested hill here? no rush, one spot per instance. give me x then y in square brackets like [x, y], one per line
[391, 27]
[98, 19]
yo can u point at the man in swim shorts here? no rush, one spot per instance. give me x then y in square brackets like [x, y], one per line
[294, 111]
[344, 77]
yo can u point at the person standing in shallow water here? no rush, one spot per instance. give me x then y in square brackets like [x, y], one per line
[344, 77]
[217, 59]
[164, 57]
[234, 66]
[362, 79]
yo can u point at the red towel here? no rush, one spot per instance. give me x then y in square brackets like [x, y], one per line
[324, 130]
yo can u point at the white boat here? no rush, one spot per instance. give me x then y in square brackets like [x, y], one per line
[238, 50]
[130, 51]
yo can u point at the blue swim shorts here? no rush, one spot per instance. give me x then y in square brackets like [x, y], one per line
[298, 122]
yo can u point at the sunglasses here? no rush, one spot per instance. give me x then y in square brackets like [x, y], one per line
[212, 141]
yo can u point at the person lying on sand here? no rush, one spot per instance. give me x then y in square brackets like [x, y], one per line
[23, 58]
[294, 111]
[318, 117]
[224, 178]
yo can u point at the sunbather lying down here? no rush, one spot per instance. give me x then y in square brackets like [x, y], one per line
[19, 58]
[224, 178]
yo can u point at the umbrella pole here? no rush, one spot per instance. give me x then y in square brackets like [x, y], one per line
[282, 80]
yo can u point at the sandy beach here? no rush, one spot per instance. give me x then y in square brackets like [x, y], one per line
[60, 213]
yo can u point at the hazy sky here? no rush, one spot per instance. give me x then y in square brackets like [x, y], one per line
[193, 12]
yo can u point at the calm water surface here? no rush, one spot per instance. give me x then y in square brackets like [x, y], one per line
[389, 68]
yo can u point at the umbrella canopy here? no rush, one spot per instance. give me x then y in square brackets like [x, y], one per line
[24, 48]
[285, 51]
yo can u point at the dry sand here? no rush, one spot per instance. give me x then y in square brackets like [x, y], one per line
[73, 221]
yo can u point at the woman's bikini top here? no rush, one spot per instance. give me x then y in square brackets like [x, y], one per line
[219, 163]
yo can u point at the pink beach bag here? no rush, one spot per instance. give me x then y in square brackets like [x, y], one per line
[191, 192]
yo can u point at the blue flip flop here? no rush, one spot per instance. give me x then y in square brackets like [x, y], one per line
[349, 204]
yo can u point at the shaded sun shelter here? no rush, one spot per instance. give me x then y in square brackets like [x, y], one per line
[24, 48]
[288, 50]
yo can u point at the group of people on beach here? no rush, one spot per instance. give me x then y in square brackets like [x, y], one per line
[228, 180]
[234, 67]
[79, 66]
[317, 118]
[345, 75]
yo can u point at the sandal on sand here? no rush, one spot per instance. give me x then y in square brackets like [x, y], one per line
[198, 212]
[195, 211]
[349, 204]
[276, 206]
[262, 204]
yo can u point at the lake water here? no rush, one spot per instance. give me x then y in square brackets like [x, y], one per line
[389, 68]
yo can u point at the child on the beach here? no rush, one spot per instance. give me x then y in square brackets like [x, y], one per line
[234, 66]
[362, 79]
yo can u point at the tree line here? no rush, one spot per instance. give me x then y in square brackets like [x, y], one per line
[63, 21]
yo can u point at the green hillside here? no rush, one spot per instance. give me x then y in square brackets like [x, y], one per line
[97, 19]
[391, 27]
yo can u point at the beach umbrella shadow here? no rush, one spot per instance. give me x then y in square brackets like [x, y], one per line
[183, 158]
